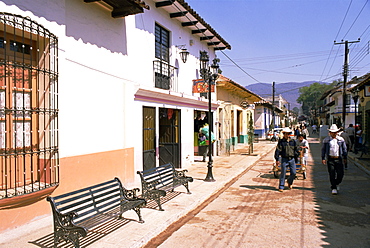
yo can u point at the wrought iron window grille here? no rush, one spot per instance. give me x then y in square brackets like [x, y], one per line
[29, 155]
[164, 75]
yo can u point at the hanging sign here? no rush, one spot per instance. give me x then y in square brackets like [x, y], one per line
[367, 90]
[199, 86]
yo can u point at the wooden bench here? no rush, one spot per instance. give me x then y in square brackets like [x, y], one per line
[157, 181]
[78, 212]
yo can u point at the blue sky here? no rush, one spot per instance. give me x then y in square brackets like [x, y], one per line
[289, 40]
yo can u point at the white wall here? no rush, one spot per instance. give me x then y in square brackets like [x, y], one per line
[103, 61]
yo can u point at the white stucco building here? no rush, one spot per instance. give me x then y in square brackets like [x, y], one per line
[99, 91]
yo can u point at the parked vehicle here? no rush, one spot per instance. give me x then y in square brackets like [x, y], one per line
[274, 134]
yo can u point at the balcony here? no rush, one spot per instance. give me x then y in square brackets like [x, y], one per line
[349, 109]
[165, 76]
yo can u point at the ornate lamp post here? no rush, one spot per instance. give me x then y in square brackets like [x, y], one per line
[209, 75]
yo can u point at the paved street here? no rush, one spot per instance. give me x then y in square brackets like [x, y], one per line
[242, 208]
[252, 213]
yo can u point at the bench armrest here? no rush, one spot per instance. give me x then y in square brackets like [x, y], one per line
[180, 173]
[131, 193]
[60, 219]
[65, 220]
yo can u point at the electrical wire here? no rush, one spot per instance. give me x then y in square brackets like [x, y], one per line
[355, 19]
[223, 52]
[344, 18]
[289, 57]
[280, 58]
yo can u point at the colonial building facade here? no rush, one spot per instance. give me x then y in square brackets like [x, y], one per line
[92, 90]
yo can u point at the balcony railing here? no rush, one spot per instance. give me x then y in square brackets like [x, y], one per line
[165, 76]
[349, 109]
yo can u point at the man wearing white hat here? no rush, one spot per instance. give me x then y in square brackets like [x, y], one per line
[288, 149]
[334, 155]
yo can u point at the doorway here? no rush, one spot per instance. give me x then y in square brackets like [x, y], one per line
[169, 137]
[149, 146]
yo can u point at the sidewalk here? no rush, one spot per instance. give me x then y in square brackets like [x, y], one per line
[176, 205]
[362, 162]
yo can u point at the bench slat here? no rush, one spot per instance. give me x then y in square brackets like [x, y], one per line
[93, 205]
[82, 199]
[158, 180]
[76, 195]
[56, 198]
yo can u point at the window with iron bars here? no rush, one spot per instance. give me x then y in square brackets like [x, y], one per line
[29, 159]
[164, 76]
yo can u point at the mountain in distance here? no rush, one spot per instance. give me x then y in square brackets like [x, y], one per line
[289, 91]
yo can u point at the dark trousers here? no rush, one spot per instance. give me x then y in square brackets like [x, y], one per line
[203, 151]
[336, 171]
[352, 138]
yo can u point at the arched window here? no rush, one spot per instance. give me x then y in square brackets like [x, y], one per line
[28, 107]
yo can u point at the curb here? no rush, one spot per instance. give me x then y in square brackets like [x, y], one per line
[359, 164]
[197, 206]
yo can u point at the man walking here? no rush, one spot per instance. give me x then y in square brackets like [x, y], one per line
[303, 144]
[304, 132]
[334, 154]
[347, 139]
[351, 132]
[288, 150]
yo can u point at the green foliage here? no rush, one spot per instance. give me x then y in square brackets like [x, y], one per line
[310, 96]
[250, 130]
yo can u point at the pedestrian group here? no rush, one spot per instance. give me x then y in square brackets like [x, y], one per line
[333, 153]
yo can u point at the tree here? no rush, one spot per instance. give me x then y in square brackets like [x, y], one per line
[310, 95]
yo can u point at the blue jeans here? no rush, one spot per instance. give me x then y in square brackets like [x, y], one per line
[285, 162]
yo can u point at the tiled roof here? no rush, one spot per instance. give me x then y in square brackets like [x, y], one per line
[190, 19]
[230, 84]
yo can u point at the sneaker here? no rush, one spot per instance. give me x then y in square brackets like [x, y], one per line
[281, 190]
[290, 186]
[334, 192]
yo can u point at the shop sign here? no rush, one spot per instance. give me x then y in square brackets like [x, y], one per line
[199, 86]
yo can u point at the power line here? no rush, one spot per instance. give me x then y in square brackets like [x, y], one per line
[345, 74]
[276, 59]
[203, 33]
[344, 18]
[239, 67]
[355, 19]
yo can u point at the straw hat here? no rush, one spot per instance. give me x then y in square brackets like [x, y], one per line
[334, 128]
[286, 130]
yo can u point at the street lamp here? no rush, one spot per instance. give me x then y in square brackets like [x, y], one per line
[209, 75]
[184, 55]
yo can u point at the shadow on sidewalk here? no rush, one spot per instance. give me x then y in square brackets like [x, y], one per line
[93, 236]
[151, 204]
[102, 230]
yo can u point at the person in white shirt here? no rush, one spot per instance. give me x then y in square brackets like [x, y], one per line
[334, 155]
[303, 144]
[304, 132]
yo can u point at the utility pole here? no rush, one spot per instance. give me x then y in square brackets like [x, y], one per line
[273, 104]
[288, 114]
[345, 75]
